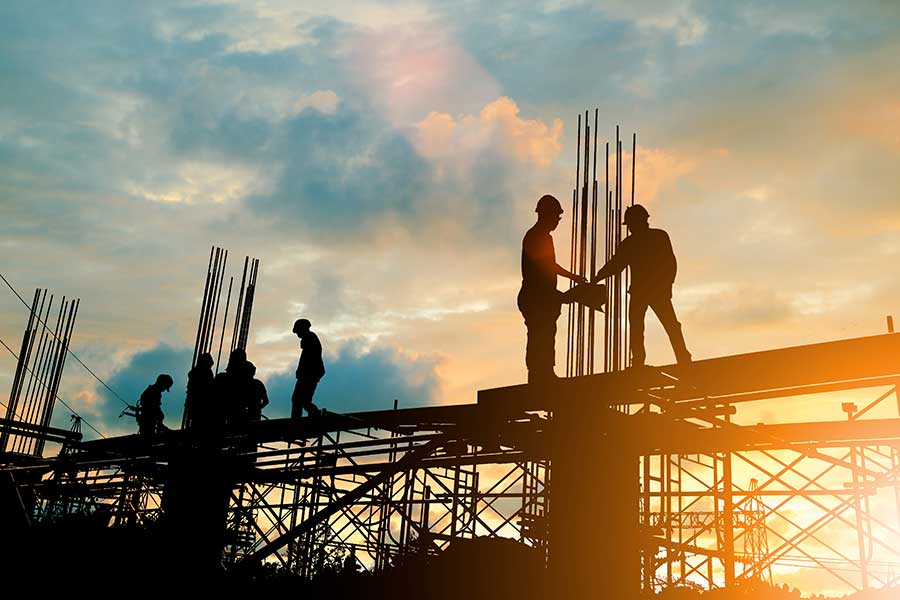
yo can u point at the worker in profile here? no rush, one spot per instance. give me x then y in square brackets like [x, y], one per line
[258, 398]
[310, 369]
[539, 301]
[148, 411]
[649, 253]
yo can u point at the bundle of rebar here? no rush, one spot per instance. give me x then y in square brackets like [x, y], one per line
[209, 321]
[41, 360]
[582, 330]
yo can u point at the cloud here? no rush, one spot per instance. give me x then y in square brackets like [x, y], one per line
[498, 126]
[360, 378]
[736, 306]
[408, 72]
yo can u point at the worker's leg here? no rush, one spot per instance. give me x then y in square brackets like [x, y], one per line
[665, 312]
[298, 399]
[540, 353]
[311, 408]
[637, 310]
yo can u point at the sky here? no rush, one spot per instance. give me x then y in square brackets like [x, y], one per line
[382, 159]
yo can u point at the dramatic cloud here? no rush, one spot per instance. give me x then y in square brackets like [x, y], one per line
[498, 125]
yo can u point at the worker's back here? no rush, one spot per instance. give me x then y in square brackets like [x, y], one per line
[651, 258]
[311, 364]
[150, 415]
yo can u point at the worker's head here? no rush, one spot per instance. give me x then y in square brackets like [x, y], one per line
[301, 327]
[164, 382]
[251, 369]
[636, 217]
[237, 359]
[549, 211]
[205, 360]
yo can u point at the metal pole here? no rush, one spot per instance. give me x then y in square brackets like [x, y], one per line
[220, 282]
[202, 309]
[224, 322]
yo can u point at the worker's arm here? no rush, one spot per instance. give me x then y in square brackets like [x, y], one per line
[570, 275]
[615, 265]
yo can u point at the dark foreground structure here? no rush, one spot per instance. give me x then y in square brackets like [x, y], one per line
[644, 493]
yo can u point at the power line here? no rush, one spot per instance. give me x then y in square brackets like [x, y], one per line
[75, 356]
[61, 401]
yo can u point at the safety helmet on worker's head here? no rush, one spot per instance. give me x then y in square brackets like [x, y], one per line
[164, 381]
[301, 325]
[636, 214]
[548, 204]
[205, 360]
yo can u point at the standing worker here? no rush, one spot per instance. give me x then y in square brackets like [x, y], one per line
[649, 254]
[310, 370]
[258, 398]
[539, 300]
[149, 412]
[198, 400]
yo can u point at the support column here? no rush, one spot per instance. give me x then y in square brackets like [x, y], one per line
[594, 523]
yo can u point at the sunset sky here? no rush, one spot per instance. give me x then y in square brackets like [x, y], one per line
[383, 160]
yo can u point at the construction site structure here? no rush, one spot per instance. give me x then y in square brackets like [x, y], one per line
[623, 481]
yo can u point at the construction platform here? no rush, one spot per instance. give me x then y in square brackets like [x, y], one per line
[648, 475]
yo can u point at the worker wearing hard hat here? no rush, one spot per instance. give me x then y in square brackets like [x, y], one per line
[649, 253]
[539, 300]
[148, 412]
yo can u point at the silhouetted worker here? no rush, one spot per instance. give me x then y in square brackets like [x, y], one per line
[351, 563]
[258, 398]
[230, 389]
[649, 254]
[538, 300]
[310, 370]
[198, 401]
[149, 412]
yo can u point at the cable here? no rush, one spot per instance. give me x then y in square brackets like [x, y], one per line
[61, 401]
[75, 356]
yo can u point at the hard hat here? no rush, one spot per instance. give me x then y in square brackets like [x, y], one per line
[301, 325]
[164, 381]
[205, 360]
[635, 214]
[549, 204]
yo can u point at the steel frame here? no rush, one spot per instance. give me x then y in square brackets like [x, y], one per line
[392, 484]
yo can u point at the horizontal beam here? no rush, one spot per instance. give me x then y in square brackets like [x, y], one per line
[20, 428]
[662, 438]
[862, 360]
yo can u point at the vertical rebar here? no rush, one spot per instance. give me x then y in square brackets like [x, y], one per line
[224, 323]
[582, 242]
[202, 310]
[220, 281]
[593, 268]
[573, 244]
[240, 306]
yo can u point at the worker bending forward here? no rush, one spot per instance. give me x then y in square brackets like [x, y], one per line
[649, 254]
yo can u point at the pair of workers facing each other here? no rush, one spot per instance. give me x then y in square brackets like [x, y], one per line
[646, 250]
